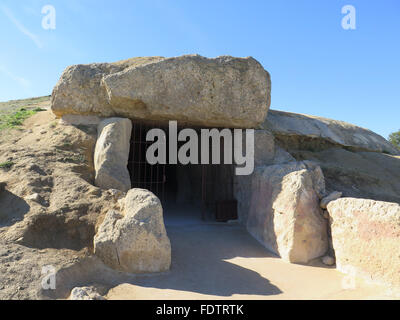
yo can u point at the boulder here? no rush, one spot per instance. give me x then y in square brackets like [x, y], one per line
[134, 240]
[34, 197]
[331, 197]
[295, 127]
[222, 92]
[85, 293]
[366, 238]
[111, 154]
[284, 212]
[328, 260]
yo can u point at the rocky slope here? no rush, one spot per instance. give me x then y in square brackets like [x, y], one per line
[49, 207]
[355, 161]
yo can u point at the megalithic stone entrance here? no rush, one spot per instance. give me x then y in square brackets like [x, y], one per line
[207, 185]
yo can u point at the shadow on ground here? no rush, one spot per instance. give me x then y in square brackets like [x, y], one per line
[200, 261]
[12, 209]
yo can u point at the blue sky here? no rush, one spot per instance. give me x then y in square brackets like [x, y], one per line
[316, 66]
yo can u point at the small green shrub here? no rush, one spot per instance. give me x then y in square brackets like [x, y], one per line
[6, 165]
[394, 138]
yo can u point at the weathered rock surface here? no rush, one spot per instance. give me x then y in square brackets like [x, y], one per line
[284, 212]
[111, 154]
[336, 132]
[224, 91]
[264, 147]
[80, 120]
[85, 293]
[366, 238]
[266, 152]
[135, 240]
[80, 90]
[282, 156]
[328, 260]
[368, 175]
[317, 177]
[331, 197]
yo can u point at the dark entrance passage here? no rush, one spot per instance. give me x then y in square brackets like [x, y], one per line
[143, 175]
[208, 187]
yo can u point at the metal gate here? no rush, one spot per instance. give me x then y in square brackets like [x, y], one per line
[144, 175]
[218, 191]
[217, 183]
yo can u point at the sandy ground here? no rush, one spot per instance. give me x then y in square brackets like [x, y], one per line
[222, 261]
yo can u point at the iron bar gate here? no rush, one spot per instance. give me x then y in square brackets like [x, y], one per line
[144, 175]
[217, 182]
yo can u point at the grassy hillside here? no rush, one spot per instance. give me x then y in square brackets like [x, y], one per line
[14, 112]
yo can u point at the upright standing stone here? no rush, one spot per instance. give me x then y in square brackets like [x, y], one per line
[284, 212]
[111, 154]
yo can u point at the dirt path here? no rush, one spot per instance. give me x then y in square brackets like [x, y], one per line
[222, 261]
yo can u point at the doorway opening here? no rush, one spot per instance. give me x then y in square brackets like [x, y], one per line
[205, 190]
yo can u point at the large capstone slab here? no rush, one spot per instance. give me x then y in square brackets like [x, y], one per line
[295, 128]
[223, 91]
[134, 239]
